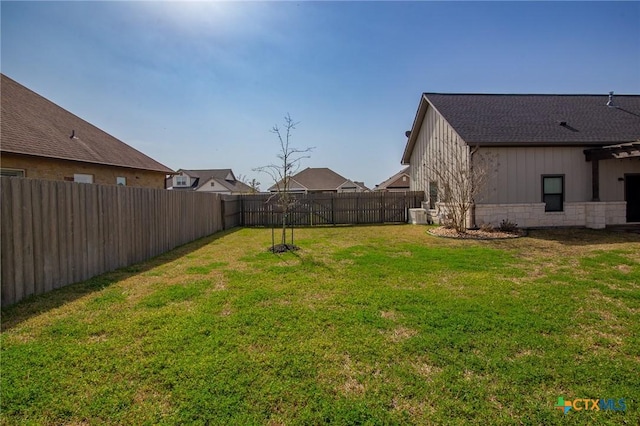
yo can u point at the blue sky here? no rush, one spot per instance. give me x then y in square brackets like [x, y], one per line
[199, 85]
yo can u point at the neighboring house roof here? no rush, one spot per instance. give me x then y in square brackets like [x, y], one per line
[513, 120]
[318, 179]
[396, 181]
[33, 125]
[361, 185]
[224, 177]
[235, 186]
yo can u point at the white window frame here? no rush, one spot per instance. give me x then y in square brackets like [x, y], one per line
[182, 180]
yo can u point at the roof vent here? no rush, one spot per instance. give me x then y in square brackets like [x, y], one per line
[567, 126]
[73, 134]
[407, 133]
[610, 102]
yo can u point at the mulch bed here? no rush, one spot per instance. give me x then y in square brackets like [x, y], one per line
[283, 248]
[476, 234]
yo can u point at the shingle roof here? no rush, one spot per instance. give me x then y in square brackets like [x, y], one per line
[220, 175]
[33, 125]
[537, 118]
[489, 119]
[318, 179]
[395, 179]
[206, 174]
[362, 185]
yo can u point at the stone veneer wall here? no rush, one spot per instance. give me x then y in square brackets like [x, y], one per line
[615, 212]
[590, 214]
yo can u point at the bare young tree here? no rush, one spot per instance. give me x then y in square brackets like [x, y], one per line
[459, 181]
[289, 163]
[252, 183]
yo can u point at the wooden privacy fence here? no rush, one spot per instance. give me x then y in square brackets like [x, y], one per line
[55, 233]
[331, 208]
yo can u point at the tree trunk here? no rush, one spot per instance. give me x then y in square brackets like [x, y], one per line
[284, 228]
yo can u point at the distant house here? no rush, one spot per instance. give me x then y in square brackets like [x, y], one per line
[322, 179]
[362, 186]
[396, 183]
[560, 160]
[219, 181]
[41, 140]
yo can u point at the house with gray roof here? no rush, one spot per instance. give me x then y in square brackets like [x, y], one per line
[556, 160]
[42, 140]
[400, 182]
[321, 179]
[218, 181]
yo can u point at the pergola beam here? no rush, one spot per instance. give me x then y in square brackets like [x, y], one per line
[613, 152]
[595, 180]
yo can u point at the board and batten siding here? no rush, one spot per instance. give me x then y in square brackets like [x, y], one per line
[611, 188]
[517, 177]
[437, 144]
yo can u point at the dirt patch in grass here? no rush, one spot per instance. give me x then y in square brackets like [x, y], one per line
[352, 386]
[226, 310]
[350, 372]
[416, 409]
[427, 370]
[390, 315]
[400, 334]
[98, 338]
[625, 269]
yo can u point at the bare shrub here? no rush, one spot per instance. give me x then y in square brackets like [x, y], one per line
[460, 179]
[487, 227]
[507, 226]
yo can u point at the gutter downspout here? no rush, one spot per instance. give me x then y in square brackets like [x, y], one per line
[472, 209]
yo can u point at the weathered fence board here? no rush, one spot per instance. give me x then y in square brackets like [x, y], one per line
[56, 233]
[330, 208]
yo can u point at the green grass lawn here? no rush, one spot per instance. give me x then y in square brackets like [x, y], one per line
[364, 325]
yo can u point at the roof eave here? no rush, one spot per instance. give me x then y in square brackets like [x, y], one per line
[415, 128]
[494, 144]
[275, 187]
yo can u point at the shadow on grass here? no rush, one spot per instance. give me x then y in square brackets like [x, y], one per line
[327, 225]
[584, 237]
[34, 305]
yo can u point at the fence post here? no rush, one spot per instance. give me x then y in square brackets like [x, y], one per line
[333, 211]
[223, 204]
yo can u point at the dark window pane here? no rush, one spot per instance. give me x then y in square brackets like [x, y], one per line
[433, 195]
[12, 173]
[553, 193]
[553, 203]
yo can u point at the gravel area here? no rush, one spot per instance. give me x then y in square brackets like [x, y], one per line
[475, 234]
